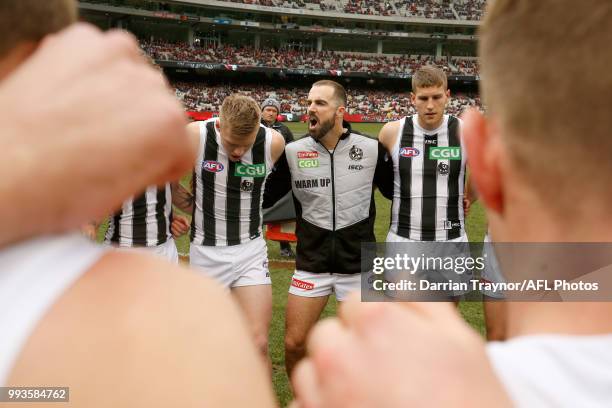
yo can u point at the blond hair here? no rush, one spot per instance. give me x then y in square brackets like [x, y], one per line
[428, 76]
[31, 20]
[547, 81]
[241, 114]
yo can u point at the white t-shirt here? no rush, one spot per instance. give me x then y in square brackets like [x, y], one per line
[555, 370]
[33, 276]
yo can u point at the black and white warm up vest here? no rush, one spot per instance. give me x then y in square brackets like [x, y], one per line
[228, 195]
[333, 194]
[429, 179]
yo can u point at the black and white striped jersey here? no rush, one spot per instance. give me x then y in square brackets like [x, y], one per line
[429, 179]
[142, 221]
[228, 195]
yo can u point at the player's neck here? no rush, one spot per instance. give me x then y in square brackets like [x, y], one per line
[330, 140]
[570, 318]
[529, 218]
[427, 127]
[566, 258]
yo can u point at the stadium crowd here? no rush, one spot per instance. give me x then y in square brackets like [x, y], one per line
[320, 5]
[467, 66]
[369, 7]
[425, 9]
[470, 9]
[374, 105]
[431, 9]
[438, 9]
[331, 60]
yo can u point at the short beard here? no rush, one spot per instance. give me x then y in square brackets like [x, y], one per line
[323, 129]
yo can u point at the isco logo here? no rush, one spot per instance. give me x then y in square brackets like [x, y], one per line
[212, 166]
[409, 152]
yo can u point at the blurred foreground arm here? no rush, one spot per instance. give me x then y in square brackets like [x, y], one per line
[396, 355]
[106, 126]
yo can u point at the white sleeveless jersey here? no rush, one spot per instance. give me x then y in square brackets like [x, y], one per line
[555, 370]
[228, 195]
[33, 276]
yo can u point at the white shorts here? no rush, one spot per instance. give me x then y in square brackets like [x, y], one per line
[308, 284]
[233, 266]
[167, 250]
[443, 250]
[492, 271]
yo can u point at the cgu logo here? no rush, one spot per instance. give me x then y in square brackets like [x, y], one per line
[445, 153]
[308, 163]
[250, 170]
[212, 166]
[409, 152]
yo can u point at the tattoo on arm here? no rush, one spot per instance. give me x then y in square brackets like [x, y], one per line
[182, 198]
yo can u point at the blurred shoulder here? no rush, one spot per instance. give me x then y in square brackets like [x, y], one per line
[132, 313]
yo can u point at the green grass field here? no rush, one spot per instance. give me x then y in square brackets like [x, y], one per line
[281, 278]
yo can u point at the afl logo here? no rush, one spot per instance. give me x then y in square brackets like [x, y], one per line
[212, 166]
[409, 152]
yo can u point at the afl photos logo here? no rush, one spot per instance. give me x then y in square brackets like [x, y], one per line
[409, 152]
[212, 166]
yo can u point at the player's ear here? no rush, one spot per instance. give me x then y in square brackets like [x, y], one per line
[412, 97]
[483, 159]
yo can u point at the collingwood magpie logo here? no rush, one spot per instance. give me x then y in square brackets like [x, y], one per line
[246, 185]
[355, 153]
[443, 168]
